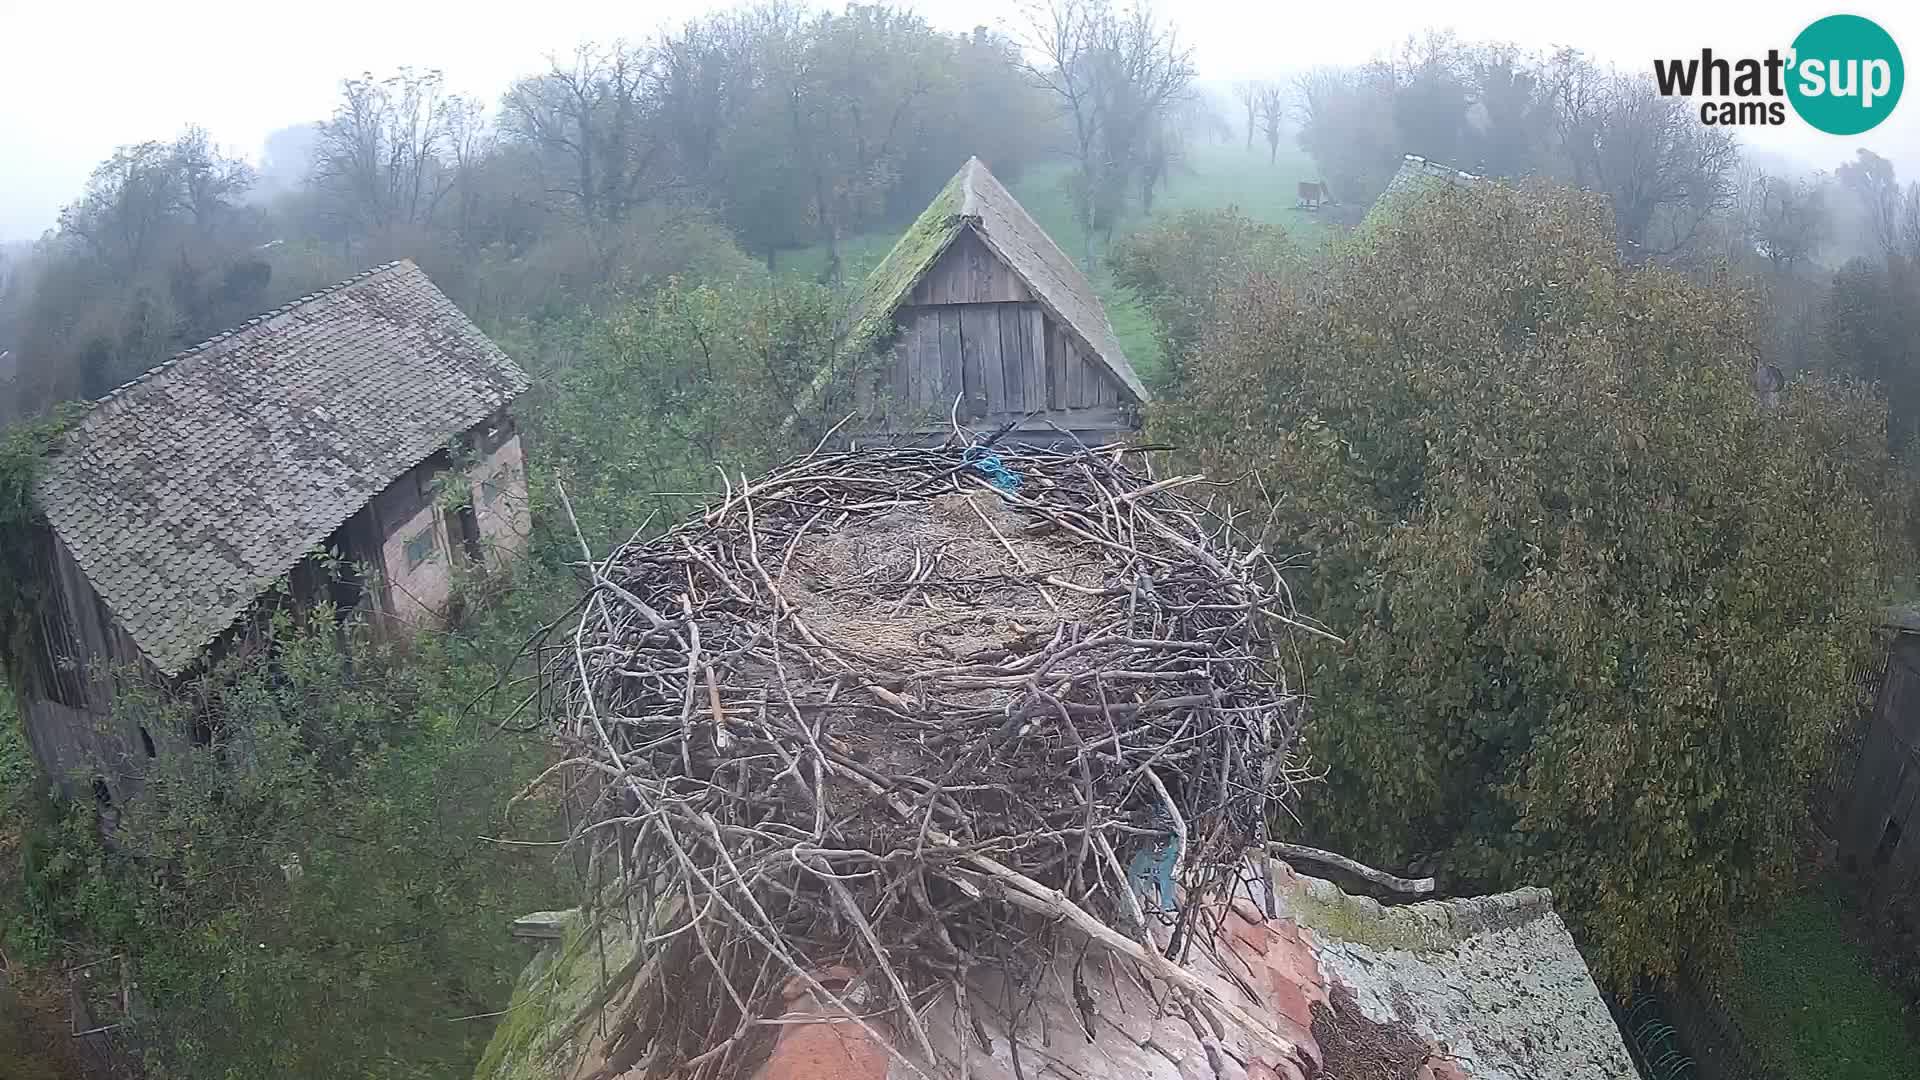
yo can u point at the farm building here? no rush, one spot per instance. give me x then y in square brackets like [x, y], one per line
[977, 305]
[1482, 988]
[367, 421]
[1877, 829]
[1418, 176]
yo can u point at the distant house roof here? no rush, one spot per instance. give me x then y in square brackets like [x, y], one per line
[1902, 617]
[975, 200]
[1489, 988]
[1419, 175]
[188, 491]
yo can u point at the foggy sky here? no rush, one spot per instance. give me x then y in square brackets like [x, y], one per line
[78, 79]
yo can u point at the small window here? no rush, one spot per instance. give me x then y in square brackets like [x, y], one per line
[421, 546]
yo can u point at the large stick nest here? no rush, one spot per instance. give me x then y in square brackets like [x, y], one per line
[870, 723]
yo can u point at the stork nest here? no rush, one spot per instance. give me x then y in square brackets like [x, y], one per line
[871, 723]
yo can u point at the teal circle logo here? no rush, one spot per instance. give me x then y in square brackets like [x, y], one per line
[1846, 75]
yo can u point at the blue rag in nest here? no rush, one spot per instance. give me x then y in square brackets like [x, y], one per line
[1151, 870]
[988, 464]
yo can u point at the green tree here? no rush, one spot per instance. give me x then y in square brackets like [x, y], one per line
[301, 887]
[1183, 267]
[689, 380]
[1601, 606]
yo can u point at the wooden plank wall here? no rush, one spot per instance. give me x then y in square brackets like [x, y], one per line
[1886, 784]
[969, 274]
[1003, 359]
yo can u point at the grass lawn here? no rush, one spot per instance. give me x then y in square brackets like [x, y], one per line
[1216, 176]
[1807, 998]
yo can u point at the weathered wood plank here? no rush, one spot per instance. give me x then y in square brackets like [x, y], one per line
[983, 265]
[972, 383]
[1012, 357]
[910, 371]
[1034, 326]
[1077, 384]
[1056, 368]
[980, 332]
[951, 345]
[897, 386]
[950, 379]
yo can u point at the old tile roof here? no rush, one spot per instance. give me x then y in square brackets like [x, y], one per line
[1417, 176]
[1489, 988]
[975, 199]
[188, 491]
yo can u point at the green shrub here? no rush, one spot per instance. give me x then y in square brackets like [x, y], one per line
[1602, 608]
[675, 386]
[1181, 269]
[301, 883]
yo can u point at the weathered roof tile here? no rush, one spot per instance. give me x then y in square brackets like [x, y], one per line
[186, 492]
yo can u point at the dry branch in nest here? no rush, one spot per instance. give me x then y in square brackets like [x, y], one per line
[871, 723]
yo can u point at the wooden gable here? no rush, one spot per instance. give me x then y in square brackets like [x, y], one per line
[969, 273]
[972, 328]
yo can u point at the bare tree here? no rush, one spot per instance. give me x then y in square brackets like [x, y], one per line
[1247, 93]
[594, 121]
[1910, 223]
[1791, 222]
[127, 203]
[1666, 173]
[1346, 119]
[379, 158]
[208, 181]
[1871, 179]
[1270, 103]
[1115, 76]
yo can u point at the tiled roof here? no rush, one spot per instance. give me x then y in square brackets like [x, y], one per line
[975, 199]
[1488, 988]
[188, 491]
[1419, 175]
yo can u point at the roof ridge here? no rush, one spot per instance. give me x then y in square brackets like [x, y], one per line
[969, 191]
[1425, 925]
[226, 336]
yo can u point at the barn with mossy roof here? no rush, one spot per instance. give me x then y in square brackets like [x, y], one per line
[977, 318]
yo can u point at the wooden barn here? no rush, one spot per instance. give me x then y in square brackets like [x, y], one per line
[977, 317]
[1877, 829]
[367, 421]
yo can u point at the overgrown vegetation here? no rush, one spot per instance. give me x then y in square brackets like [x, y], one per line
[21, 450]
[1601, 605]
[303, 889]
[1181, 269]
[1571, 554]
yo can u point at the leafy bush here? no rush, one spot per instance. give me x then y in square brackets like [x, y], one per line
[301, 885]
[691, 379]
[1601, 607]
[1181, 269]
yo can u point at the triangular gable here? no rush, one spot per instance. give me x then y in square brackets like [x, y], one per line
[975, 202]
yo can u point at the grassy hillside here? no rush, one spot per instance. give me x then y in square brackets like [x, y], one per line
[1216, 176]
